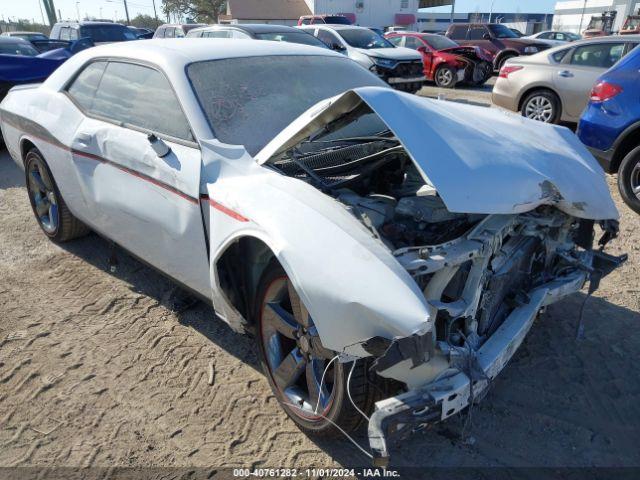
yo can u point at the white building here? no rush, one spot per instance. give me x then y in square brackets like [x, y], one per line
[370, 13]
[574, 15]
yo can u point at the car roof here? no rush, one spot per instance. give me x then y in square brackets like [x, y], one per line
[199, 25]
[88, 22]
[336, 26]
[14, 40]
[184, 51]
[253, 28]
[11, 34]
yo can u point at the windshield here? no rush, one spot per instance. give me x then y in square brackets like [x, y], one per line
[107, 33]
[438, 42]
[364, 38]
[632, 23]
[248, 101]
[17, 48]
[500, 31]
[292, 37]
[31, 36]
[337, 20]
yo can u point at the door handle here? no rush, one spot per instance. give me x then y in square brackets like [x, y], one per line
[565, 74]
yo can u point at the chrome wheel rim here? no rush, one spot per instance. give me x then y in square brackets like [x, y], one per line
[43, 196]
[539, 108]
[635, 180]
[445, 76]
[290, 342]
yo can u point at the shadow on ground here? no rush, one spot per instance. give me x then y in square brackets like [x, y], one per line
[578, 401]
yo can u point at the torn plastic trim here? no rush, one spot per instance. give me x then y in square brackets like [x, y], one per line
[438, 400]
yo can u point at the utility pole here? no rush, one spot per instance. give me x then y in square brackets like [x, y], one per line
[155, 12]
[584, 7]
[453, 9]
[78, 10]
[126, 11]
[491, 11]
[41, 12]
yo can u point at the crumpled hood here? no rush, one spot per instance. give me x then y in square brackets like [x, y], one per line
[480, 160]
[397, 53]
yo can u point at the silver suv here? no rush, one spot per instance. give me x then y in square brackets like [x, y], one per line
[402, 68]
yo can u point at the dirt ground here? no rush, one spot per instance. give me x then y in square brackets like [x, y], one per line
[95, 370]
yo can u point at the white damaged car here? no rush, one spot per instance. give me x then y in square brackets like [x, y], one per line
[389, 253]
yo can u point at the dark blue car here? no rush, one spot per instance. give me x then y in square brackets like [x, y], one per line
[610, 125]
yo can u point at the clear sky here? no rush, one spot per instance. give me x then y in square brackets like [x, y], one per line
[93, 8]
[109, 8]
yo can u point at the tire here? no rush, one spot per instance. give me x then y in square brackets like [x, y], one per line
[543, 106]
[274, 349]
[486, 70]
[445, 77]
[504, 59]
[56, 221]
[629, 179]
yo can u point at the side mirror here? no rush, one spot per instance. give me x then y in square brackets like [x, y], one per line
[424, 50]
[158, 145]
[486, 36]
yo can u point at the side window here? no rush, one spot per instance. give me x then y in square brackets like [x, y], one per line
[178, 32]
[328, 38]
[169, 32]
[217, 34]
[142, 97]
[397, 41]
[55, 32]
[412, 42]
[559, 56]
[599, 55]
[476, 33]
[459, 33]
[65, 33]
[73, 34]
[238, 34]
[83, 89]
[160, 32]
[561, 36]
[305, 21]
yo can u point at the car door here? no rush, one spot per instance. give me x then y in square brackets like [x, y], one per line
[480, 36]
[575, 77]
[138, 168]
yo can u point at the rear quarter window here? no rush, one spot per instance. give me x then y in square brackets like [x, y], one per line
[83, 89]
[560, 55]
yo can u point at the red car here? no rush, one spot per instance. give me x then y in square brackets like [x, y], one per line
[445, 62]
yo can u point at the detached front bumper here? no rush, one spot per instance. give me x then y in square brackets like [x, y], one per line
[396, 417]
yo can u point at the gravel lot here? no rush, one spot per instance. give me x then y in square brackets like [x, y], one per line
[96, 370]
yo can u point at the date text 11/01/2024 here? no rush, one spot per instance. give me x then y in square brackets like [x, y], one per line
[315, 473]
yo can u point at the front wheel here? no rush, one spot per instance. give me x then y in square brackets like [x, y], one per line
[310, 387]
[445, 77]
[49, 208]
[629, 179]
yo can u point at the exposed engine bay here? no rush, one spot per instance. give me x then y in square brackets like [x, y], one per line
[485, 277]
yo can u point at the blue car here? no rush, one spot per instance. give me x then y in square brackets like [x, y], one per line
[610, 125]
[21, 62]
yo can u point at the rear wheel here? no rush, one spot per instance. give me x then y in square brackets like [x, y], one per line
[311, 388]
[542, 105]
[629, 179]
[445, 77]
[49, 208]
